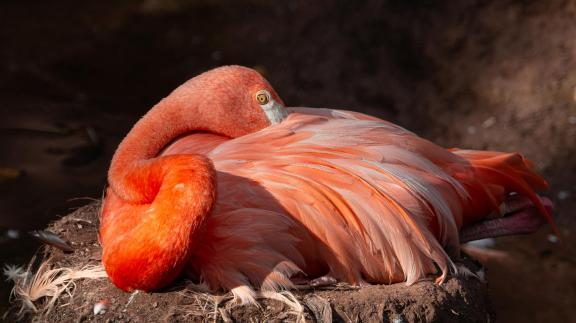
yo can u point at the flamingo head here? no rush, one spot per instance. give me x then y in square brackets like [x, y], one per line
[236, 100]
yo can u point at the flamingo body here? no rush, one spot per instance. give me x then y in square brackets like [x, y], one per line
[320, 193]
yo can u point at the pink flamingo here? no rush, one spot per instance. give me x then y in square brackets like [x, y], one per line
[223, 183]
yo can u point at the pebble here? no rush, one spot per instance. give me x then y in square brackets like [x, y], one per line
[155, 304]
[489, 122]
[13, 234]
[552, 238]
[100, 307]
[562, 195]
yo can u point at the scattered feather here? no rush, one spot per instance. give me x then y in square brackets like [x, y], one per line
[288, 299]
[201, 304]
[48, 282]
[13, 272]
[131, 299]
[219, 307]
[52, 239]
[464, 271]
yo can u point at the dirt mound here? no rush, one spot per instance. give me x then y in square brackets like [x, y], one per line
[425, 301]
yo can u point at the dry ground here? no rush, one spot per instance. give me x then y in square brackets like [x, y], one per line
[459, 297]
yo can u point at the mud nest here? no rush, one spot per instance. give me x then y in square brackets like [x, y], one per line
[458, 299]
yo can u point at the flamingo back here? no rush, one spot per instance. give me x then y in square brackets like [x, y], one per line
[330, 192]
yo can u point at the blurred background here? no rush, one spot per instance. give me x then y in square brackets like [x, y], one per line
[499, 75]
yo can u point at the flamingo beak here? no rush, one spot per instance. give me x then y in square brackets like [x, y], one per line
[275, 111]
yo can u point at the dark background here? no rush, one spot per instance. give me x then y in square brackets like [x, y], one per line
[500, 75]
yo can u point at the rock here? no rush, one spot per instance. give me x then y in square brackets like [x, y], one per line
[458, 299]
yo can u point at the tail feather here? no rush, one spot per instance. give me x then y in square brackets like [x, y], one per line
[496, 175]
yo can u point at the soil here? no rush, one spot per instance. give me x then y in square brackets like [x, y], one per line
[475, 74]
[426, 301]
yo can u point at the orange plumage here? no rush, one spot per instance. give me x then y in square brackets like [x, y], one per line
[222, 182]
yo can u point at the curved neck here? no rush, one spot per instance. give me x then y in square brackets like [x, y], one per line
[162, 124]
[216, 102]
[145, 246]
[156, 203]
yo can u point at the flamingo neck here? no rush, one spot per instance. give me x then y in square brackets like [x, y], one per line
[138, 152]
[155, 204]
[146, 245]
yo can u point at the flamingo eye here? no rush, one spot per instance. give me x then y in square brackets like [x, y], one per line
[262, 97]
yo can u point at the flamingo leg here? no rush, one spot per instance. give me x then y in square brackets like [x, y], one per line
[520, 217]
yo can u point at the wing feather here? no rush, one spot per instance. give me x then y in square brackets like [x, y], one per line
[369, 199]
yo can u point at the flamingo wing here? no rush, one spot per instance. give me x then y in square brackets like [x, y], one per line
[197, 143]
[332, 190]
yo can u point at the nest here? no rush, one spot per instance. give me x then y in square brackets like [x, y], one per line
[72, 287]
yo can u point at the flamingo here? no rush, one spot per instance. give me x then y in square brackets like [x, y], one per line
[222, 183]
